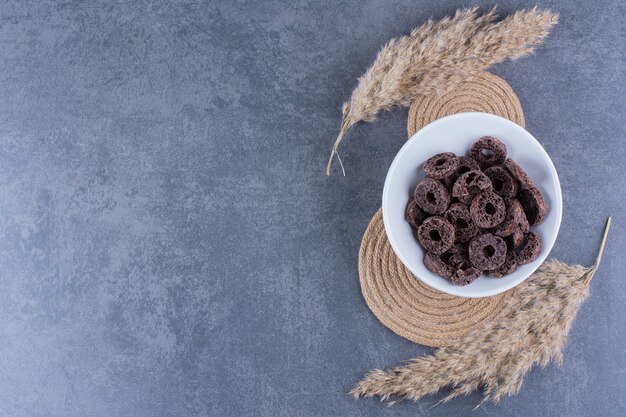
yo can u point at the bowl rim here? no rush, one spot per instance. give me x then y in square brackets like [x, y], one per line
[548, 245]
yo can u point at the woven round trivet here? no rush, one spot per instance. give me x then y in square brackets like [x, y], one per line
[399, 300]
[484, 93]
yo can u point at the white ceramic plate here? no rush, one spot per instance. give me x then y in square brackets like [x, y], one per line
[455, 134]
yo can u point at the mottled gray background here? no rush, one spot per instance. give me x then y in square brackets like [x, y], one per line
[171, 247]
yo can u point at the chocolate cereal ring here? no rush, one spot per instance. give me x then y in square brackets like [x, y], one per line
[436, 235]
[508, 267]
[518, 173]
[533, 204]
[530, 249]
[441, 165]
[463, 272]
[414, 215]
[487, 252]
[458, 247]
[488, 209]
[459, 216]
[465, 164]
[515, 219]
[488, 151]
[437, 265]
[431, 196]
[469, 184]
[514, 240]
[502, 181]
[465, 276]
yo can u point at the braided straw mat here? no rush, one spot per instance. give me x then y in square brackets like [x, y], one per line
[399, 300]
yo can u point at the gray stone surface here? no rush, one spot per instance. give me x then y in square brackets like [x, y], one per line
[171, 247]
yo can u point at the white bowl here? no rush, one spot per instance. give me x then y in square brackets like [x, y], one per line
[455, 134]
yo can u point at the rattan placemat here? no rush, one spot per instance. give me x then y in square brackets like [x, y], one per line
[399, 300]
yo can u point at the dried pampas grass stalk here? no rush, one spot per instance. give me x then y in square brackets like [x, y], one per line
[437, 56]
[531, 329]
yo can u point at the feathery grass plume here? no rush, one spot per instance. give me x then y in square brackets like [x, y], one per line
[531, 329]
[437, 56]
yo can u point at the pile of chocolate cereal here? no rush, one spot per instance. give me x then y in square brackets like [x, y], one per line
[472, 214]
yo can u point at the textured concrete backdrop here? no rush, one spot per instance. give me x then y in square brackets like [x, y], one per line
[171, 247]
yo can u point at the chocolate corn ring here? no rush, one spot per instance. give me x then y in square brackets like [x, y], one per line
[515, 219]
[414, 215]
[487, 252]
[441, 165]
[465, 276]
[459, 216]
[466, 164]
[463, 272]
[487, 209]
[508, 267]
[533, 204]
[457, 247]
[502, 181]
[469, 184]
[437, 265]
[431, 196]
[530, 249]
[488, 151]
[436, 235]
[518, 173]
[457, 260]
[514, 240]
